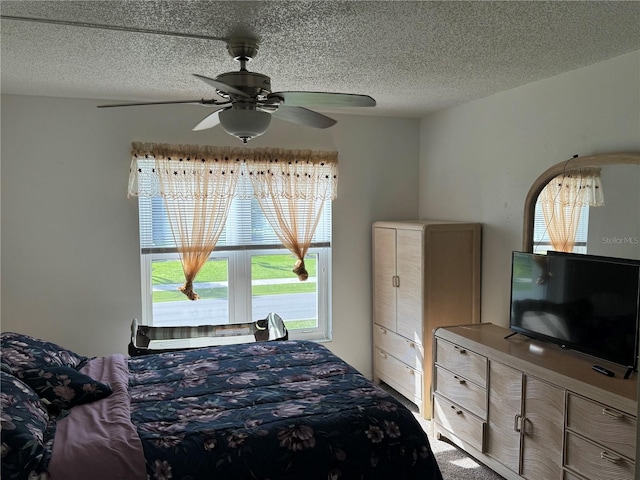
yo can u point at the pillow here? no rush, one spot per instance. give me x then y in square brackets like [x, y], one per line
[64, 387]
[21, 352]
[27, 432]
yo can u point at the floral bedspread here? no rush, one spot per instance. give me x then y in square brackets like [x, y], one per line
[272, 410]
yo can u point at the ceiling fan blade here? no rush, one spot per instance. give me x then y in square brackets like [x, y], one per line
[222, 86]
[210, 121]
[303, 116]
[184, 102]
[324, 99]
[111, 27]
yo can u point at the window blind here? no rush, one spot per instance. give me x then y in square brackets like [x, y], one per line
[246, 227]
[541, 233]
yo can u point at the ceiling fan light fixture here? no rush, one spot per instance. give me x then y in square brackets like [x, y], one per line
[244, 124]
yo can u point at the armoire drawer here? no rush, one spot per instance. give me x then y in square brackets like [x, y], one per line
[459, 390]
[460, 360]
[405, 350]
[595, 462]
[468, 428]
[611, 428]
[407, 380]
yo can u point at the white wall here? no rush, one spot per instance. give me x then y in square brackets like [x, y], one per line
[478, 160]
[70, 261]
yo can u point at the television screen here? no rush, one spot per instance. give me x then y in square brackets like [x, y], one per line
[582, 302]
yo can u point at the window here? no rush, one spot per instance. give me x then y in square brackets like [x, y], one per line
[541, 240]
[248, 275]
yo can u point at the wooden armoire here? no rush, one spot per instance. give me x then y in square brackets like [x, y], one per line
[426, 274]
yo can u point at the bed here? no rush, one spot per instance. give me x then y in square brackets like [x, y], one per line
[263, 410]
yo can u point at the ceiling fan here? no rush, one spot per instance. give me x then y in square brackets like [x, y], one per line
[247, 102]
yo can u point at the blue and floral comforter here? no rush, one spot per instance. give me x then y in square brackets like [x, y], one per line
[273, 410]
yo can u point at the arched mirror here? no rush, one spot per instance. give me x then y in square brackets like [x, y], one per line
[613, 227]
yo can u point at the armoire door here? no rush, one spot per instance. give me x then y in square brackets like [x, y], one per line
[384, 253]
[410, 295]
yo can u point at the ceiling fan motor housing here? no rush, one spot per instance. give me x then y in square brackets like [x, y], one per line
[251, 83]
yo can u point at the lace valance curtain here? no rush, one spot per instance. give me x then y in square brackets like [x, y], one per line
[579, 187]
[562, 200]
[198, 184]
[297, 173]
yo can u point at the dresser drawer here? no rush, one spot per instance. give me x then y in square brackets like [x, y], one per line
[407, 380]
[460, 360]
[613, 429]
[570, 476]
[403, 349]
[464, 426]
[462, 392]
[595, 462]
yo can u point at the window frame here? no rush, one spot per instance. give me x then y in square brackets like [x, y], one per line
[156, 241]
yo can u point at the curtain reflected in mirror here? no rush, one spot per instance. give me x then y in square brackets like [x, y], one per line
[569, 209]
[564, 203]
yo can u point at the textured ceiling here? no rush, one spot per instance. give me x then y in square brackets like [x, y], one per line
[412, 57]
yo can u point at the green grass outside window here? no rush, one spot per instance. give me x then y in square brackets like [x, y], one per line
[264, 267]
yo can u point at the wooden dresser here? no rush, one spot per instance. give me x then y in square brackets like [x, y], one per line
[426, 274]
[530, 409]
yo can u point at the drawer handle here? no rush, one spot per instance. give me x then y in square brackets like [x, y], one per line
[382, 330]
[611, 413]
[411, 344]
[610, 457]
[457, 410]
[516, 423]
[410, 371]
[382, 354]
[460, 350]
[461, 381]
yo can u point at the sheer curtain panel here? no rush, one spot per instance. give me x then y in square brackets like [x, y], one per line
[291, 193]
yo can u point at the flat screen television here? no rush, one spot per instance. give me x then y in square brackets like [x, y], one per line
[586, 303]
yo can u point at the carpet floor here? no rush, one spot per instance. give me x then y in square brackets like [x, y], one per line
[455, 464]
